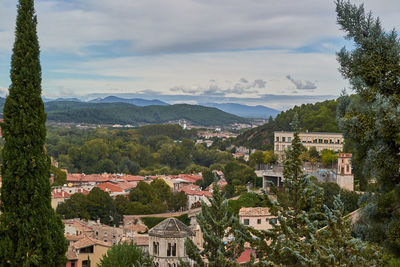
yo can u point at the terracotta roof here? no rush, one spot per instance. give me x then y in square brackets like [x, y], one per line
[110, 187]
[60, 194]
[256, 211]
[71, 255]
[245, 256]
[191, 187]
[87, 241]
[139, 227]
[131, 178]
[171, 227]
[141, 240]
[72, 237]
[127, 185]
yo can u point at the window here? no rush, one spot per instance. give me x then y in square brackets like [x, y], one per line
[85, 263]
[171, 250]
[277, 139]
[105, 233]
[320, 141]
[283, 147]
[325, 141]
[347, 169]
[273, 221]
[174, 250]
[283, 139]
[258, 221]
[73, 264]
[155, 248]
[246, 222]
[105, 240]
[97, 233]
[289, 139]
[277, 147]
[86, 250]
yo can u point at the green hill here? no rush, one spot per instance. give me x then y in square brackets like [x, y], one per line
[124, 113]
[318, 117]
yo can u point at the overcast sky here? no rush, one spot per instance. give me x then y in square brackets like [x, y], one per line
[237, 49]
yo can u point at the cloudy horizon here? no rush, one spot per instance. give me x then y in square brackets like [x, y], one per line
[198, 49]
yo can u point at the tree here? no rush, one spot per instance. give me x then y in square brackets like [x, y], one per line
[126, 255]
[100, 205]
[298, 239]
[370, 120]
[74, 207]
[217, 223]
[30, 232]
[328, 157]
[269, 157]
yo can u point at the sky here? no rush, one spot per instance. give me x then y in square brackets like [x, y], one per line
[273, 53]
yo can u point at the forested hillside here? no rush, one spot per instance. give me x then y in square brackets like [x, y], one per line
[125, 113]
[318, 117]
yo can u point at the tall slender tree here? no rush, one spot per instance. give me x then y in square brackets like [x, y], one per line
[30, 232]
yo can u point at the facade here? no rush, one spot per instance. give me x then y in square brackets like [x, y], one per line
[345, 178]
[167, 242]
[89, 251]
[259, 218]
[319, 140]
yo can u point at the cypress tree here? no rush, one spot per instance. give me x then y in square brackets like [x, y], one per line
[30, 232]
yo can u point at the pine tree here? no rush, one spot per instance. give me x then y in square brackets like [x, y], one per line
[218, 225]
[299, 238]
[30, 232]
[370, 120]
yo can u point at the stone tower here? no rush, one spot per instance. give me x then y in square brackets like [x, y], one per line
[345, 178]
[167, 242]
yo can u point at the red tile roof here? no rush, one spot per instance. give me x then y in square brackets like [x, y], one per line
[110, 187]
[131, 178]
[60, 194]
[245, 256]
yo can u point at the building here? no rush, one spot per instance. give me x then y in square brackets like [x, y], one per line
[259, 218]
[167, 242]
[345, 178]
[319, 140]
[88, 251]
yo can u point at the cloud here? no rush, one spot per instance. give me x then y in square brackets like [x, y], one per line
[302, 85]
[243, 80]
[149, 91]
[259, 83]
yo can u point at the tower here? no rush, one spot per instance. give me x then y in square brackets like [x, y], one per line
[344, 177]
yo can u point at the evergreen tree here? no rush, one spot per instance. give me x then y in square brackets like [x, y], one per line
[126, 255]
[298, 238]
[371, 120]
[30, 232]
[218, 224]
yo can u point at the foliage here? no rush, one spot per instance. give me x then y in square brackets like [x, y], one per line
[349, 198]
[124, 113]
[318, 117]
[247, 199]
[96, 205]
[126, 255]
[328, 157]
[30, 232]
[371, 120]
[298, 240]
[217, 223]
[60, 176]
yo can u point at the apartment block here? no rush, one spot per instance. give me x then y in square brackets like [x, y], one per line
[319, 140]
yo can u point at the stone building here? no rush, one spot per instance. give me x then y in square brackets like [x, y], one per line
[167, 242]
[319, 140]
[345, 178]
[258, 217]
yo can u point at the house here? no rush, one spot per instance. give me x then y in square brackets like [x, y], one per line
[167, 242]
[89, 251]
[196, 196]
[258, 217]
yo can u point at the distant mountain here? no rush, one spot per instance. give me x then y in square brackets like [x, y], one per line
[245, 110]
[134, 101]
[124, 113]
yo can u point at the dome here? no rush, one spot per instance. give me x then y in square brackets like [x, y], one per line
[171, 227]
